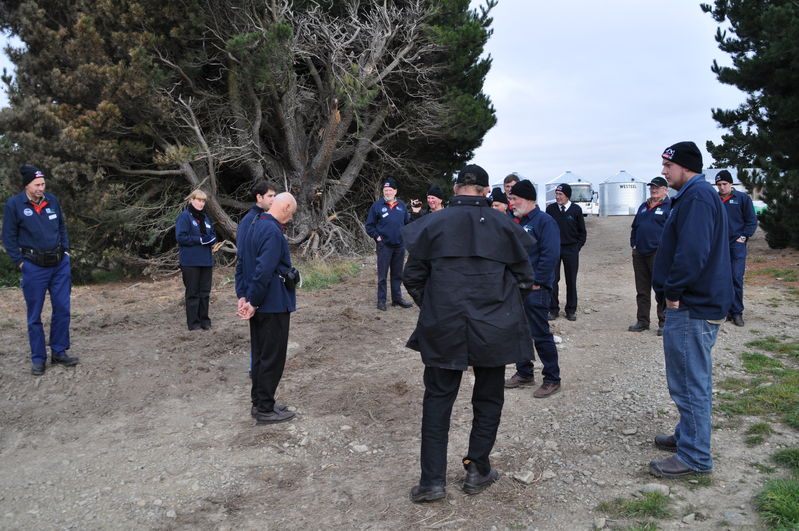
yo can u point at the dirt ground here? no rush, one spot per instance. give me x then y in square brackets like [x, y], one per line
[152, 429]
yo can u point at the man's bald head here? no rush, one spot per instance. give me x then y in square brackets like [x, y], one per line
[283, 207]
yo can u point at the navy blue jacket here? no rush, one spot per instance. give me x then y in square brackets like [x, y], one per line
[386, 222]
[648, 226]
[242, 233]
[545, 252]
[741, 217]
[692, 264]
[571, 224]
[265, 256]
[191, 252]
[23, 226]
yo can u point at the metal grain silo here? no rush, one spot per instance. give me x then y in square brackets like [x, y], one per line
[621, 195]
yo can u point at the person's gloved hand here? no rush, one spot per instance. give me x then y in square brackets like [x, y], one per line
[205, 240]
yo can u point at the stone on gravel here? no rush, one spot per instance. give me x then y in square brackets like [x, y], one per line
[599, 523]
[360, 448]
[689, 518]
[656, 487]
[171, 514]
[557, 339]
[525, 477]
[548, 474]
[629, 431]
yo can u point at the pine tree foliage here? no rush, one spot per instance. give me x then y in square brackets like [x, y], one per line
[130, 104]
[763, 132]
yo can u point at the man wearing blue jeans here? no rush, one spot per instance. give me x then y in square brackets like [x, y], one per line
[544, 255]
[692, 274]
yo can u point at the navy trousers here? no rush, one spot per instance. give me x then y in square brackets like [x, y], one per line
[535, 307]
[36, 283]
[440, 390]
[269, 338]
[738, 263]
[197, 281]
[570, 257]
[392, 258]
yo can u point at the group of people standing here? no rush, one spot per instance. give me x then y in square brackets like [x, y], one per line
[484, 273]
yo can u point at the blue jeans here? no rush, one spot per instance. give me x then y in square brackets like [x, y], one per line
[36, 282]
[535, 307]
[687, 344]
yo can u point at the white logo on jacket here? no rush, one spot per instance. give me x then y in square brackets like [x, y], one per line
[28, 212]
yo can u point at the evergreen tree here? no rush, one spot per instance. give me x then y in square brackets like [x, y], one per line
[132, 103]
[763, 133]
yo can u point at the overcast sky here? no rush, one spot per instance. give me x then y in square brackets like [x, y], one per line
[598, 87]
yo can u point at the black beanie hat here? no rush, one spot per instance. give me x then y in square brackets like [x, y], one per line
[436, 191]
[472, 174]
[565, 188]
[524, 189]
[497, 195]
[390, 182]
[686, 154]
[723, 175]
[29, 173]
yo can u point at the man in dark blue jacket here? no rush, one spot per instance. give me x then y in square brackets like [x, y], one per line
[263, 193]
[644, 239]
[35, 238]
[543, 258]
[741, 223]
[569, 217]
[386, 217]
[268, 303]
[692, 274]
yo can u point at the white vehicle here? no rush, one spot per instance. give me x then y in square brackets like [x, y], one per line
[583, 193]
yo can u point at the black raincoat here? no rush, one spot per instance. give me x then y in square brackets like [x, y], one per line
[468, 270]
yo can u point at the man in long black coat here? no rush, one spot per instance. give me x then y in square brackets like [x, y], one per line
[468, 270]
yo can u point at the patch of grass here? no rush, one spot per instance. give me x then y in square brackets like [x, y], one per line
[760, 428]
[757, 363]
[699, 480]
[321, 275]
[778, 503]
[643, 526]
[733, 384]
[789, 458]
[754, 440]
[778, 396]
[652, 504]
[763, 469]
[755, 332]
[784, 345]
[785, 275]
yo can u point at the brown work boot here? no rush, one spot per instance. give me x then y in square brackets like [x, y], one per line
[547, 389]
[518, 380]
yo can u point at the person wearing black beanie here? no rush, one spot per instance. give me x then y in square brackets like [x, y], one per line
[35, 238]
[498, 200]
[435, 198]
[543, 257]
[692, 274]
[569, 217]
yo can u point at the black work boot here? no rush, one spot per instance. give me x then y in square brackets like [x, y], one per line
[475, 482]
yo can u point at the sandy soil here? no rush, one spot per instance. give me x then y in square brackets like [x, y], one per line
[152, 429]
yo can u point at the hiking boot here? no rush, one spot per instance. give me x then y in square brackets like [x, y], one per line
[64, 360]
[672, 467]
[660, 331]
[571, 316]
[552, 315]
[638, 327]
[381, 306]
[278, 407]
[37, 369]
[402, 304]
[425, 494]
[546, 389]
[518, 380]
[475, 482]
[666, 442]
[273, 417]
[738, 320]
